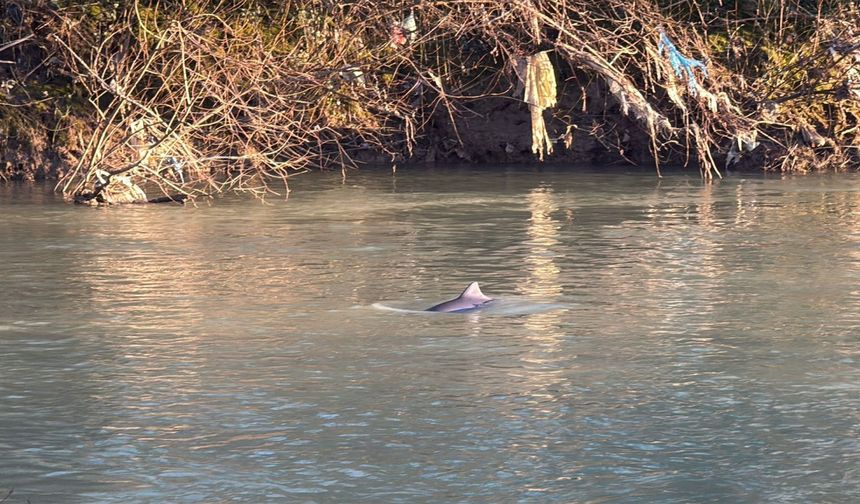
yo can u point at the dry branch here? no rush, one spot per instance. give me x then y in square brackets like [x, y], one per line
[194, 98]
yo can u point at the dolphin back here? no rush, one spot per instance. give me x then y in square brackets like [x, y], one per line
[471, 298]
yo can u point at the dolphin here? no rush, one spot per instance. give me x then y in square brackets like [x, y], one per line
[471, 299]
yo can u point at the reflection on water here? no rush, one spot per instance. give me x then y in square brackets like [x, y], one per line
[543, 231]
[658, 340]
[545, 356]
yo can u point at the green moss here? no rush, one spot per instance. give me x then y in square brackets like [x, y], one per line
[15, 121]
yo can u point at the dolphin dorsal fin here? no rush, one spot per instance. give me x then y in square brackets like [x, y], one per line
[473, 291]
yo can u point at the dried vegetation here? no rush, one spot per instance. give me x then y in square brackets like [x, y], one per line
[188, 98]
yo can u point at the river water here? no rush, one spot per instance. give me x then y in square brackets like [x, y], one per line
[662, 340]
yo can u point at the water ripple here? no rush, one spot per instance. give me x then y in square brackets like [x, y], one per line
[658, 340]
